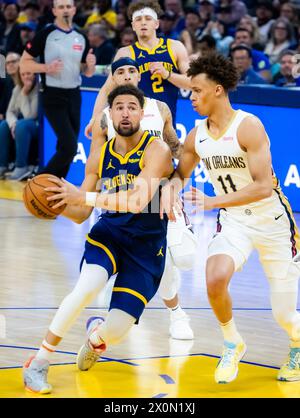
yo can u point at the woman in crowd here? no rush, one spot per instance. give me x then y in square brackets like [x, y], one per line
[20, 127]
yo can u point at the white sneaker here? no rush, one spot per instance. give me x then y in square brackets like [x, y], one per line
[179, 327]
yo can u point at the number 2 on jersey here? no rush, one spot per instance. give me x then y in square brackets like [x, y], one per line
[156, 85]
[231, 184]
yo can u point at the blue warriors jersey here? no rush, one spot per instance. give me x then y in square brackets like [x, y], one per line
[153, 85]
[118, 173]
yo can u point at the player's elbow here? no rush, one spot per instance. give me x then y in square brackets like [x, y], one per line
[266, 191]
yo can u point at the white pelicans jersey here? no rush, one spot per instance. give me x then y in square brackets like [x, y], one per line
[225, 160]
[152, 120]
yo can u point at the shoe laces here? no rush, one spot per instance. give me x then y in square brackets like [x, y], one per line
[294, 359]
[227, 357]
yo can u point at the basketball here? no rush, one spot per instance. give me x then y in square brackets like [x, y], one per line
[35, 198]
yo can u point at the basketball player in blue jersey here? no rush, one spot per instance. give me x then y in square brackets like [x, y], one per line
[254, 213]
[182, 243]
[129, 237]
[162, 63]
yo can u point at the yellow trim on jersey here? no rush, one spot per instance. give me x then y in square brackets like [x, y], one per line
[124, 160]
[216, 138]
[290, 214]
[150, 51]
[149, 142]
[171, 53]
[104, 248]
[101, 159]
[132, 292]
[132, 52]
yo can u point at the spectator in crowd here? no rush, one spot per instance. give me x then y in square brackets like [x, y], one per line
[288, 11]
[105, 15]
[205, 45]
[218, 30]
[30, 13]
[231, 11]
[103, 48]
[9, 30]
[12, 78]
[264, 18]
[46, 14]
[167, 25]
[27, 32]
[260, 61]
[122, 24]
[281, 38]
[128, 37]
[193, 29]
[207, 11]
[285, 77]
[248, 22]
[20, 127]
[175, 6]
[242, 60]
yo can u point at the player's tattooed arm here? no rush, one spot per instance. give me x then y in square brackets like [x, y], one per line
[103, 121]
[169, 133]
[99, 133]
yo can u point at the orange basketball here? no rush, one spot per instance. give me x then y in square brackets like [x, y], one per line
[35, 197]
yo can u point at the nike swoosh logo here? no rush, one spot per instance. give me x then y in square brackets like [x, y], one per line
[203, 140]
[277, 217]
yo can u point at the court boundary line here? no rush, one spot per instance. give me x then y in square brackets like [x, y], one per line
[149, 308]
[129, 360]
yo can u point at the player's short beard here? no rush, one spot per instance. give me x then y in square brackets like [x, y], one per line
[126, 131]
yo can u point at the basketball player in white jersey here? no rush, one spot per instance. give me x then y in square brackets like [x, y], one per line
[253, 211]
[182, 243]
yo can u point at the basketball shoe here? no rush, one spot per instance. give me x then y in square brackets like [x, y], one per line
[35, 375]
[88, 354]
[227, 368]
[290, 371]
[180, 325]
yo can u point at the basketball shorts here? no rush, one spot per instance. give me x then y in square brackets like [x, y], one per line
[139, 263]
[271, 230]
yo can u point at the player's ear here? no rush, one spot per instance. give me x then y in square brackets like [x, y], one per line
[219, 90]
[157, 24]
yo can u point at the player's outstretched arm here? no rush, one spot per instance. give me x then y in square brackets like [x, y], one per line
[252, 139]
[169, 133]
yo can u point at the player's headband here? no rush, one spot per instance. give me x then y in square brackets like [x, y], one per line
[145, 12]
[123, 61]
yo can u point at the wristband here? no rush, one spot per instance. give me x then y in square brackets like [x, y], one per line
[90, 199]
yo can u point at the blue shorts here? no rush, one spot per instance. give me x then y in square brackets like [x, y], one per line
[139, 262]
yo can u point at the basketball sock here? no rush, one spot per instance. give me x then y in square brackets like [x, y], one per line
[230, 332]
[46, 350]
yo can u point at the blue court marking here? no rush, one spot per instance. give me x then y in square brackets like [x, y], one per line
[203, 355]
[128, 361]
[103, 359]
[151, 308]
[168, 379]
[160, 395]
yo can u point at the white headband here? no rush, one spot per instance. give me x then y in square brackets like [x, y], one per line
[145, 12]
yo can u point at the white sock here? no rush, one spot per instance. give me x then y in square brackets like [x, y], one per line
[45, 352]
[230, 332]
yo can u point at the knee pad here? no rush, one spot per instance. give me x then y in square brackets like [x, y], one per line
[182, 245]
[170, 280]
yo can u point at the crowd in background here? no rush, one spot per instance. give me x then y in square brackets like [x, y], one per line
[260, 36]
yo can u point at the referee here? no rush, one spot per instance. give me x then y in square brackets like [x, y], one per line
[64, 53]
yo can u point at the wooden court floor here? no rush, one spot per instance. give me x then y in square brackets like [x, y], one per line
[39, 262]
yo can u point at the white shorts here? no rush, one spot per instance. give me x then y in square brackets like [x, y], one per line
[271, 230]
